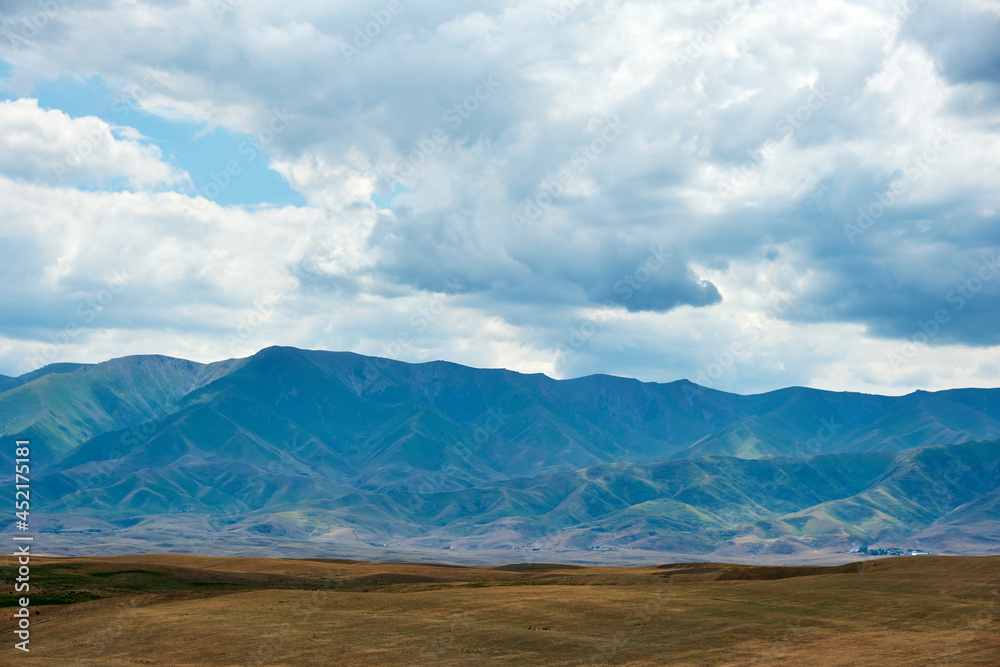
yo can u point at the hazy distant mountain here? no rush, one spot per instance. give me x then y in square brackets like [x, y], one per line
[294, 444]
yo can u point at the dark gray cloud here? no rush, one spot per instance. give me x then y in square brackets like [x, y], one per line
[962, 40]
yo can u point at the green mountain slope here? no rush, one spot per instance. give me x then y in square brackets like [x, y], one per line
[309, 444]
[60, 408]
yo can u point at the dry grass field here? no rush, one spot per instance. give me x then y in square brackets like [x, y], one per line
[187, 610]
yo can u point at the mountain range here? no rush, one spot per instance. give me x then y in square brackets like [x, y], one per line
[316, 452]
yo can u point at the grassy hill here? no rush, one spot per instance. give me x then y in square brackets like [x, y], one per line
[297, 446]
[191, 610]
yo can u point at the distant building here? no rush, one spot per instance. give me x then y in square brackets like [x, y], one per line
[882, 551]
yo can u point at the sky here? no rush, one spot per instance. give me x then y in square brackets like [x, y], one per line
[747, 194]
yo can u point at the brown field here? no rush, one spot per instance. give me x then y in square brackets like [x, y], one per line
[188, 610]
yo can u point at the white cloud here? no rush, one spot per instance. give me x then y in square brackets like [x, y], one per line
[701, 97]
[48, 146]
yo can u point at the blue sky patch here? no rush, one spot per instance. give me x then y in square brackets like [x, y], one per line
[225, 167]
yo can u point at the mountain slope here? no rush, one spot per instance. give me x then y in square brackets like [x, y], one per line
[441, 416]
[305, 445]
[12, 382]
[684, 505]
[385, 425]
[64, 405]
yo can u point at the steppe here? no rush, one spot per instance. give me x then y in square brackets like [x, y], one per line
[182, 610]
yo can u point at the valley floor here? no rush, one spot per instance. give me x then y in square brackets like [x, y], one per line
[187, 610]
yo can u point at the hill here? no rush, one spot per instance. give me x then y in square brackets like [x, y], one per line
[192, 610]
[305, 448]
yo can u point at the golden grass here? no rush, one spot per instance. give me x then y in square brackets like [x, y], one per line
[908, 610]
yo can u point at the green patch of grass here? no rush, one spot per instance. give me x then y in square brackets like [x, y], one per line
[111, 574]
[68, 597]
[68, 584]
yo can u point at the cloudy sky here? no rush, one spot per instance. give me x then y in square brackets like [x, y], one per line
[748, 194]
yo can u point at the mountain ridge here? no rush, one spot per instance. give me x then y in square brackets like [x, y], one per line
[282, 444]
